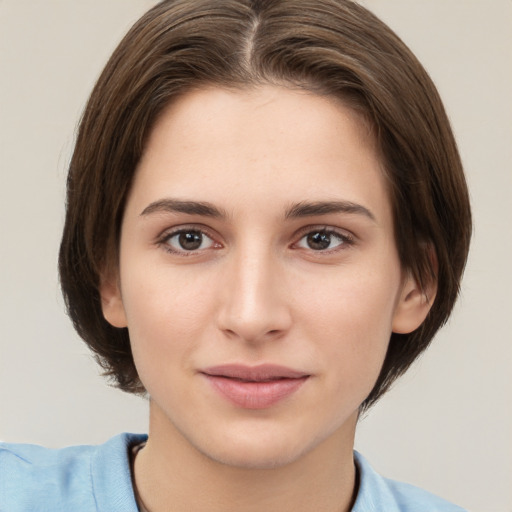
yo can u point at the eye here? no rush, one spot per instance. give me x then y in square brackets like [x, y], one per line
[187, 240]
[323, 240]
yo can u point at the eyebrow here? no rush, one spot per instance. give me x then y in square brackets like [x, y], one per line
[190, 207]
[310, 209]
[302, 209]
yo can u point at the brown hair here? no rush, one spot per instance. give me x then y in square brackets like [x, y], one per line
[332, 47]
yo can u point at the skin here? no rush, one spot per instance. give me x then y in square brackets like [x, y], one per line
[256, 290]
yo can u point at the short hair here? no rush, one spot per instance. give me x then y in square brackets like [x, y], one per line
[329, 47]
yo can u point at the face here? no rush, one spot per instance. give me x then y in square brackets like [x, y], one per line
[258, 275]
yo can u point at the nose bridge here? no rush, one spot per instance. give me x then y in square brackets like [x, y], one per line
[253, 305]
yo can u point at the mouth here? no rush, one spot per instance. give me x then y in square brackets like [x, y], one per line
[254, 387]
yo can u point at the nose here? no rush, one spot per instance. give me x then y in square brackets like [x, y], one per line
[253, 307]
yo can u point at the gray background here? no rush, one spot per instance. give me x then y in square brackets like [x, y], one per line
[446, 426]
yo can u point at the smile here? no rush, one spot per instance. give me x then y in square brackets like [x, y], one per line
[256, 387]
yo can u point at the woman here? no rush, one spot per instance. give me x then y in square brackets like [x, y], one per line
[267, 222]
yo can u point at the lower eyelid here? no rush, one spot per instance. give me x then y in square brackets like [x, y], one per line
[342, 243]
[345, 240]
[163, 241]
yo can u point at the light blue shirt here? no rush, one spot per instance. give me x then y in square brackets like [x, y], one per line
[98, 479]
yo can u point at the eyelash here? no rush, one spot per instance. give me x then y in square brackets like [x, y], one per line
[346, 240]
[164, 240]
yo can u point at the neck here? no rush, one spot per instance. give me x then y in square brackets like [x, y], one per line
[171, 474]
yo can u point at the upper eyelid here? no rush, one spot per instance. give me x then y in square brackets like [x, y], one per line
[215, 236]
[343, 232]
[347, 238]
[168, 232]
[163, 240]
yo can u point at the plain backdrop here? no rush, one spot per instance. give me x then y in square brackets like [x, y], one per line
[446, 426]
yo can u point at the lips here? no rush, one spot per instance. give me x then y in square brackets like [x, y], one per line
[254, 387]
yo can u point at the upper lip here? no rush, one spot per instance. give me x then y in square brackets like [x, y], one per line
[259, 373]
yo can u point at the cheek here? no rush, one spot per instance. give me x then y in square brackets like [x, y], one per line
[351, 319]
[357, 301]
[166, 316]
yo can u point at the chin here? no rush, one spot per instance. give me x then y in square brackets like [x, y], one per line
[266, 452]
[256, 458]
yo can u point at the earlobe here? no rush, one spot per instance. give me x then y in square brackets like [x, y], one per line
[112, 303]
[413, 306]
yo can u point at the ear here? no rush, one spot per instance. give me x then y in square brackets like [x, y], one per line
[413, 305]
[112, 302]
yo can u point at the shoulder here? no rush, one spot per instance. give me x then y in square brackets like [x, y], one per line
[79, 478]
[377, 493]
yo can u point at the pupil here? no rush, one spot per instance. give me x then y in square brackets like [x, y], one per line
[191, 240]
[319, 241]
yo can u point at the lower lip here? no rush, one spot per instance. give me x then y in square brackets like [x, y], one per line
[255, 395]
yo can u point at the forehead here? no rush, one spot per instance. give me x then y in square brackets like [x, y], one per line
[266, 143]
